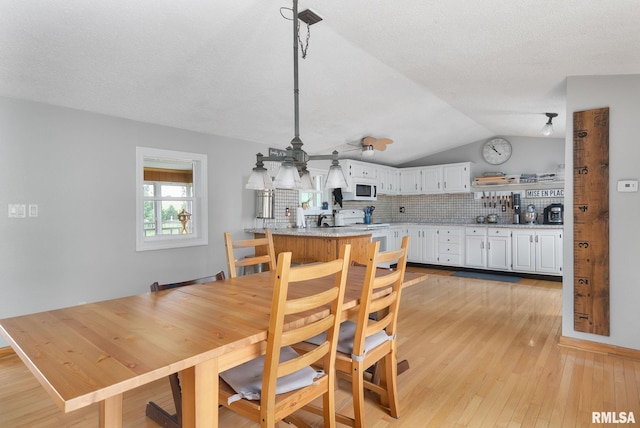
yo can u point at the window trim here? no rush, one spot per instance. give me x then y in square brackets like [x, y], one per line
[200, 216]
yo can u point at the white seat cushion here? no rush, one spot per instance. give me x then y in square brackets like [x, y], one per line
[345, 340]
[246, 379]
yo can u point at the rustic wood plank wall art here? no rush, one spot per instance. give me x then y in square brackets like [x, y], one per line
[591, 221]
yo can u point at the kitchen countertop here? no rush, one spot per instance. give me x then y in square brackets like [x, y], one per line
[334, 232]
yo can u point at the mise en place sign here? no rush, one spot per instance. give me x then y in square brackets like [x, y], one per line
[613, 418]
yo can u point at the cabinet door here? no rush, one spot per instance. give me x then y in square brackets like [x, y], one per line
[456, 178]
[363, 170]
[432, 179]
[410, 181]
[549, 251]
[474, 251]
[415, 244]
[430, 245]
[499, 252]
[523, 246]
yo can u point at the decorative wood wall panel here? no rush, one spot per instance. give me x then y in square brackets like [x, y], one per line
[591, 221]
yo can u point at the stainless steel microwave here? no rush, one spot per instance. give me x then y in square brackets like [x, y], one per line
[362, 191]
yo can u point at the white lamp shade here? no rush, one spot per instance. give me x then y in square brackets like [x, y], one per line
[547, 130]
[335, 178]
[305, 181]
[287, 177]
[259, 180]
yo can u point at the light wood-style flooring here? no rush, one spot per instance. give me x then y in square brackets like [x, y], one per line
[481, 354]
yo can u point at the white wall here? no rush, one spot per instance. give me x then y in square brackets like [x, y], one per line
[79, 168]
[530, 155]
[621, 95]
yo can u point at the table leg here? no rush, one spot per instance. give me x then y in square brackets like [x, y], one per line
[111, 412]
[200, 395]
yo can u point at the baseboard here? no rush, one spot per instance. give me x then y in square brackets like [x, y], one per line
[7, 350]
[600, 348]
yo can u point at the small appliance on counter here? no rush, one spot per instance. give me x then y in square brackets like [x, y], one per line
[530, 214]
[516, 208]
[554, 214]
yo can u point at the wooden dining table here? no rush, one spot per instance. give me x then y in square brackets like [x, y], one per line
[95, 352]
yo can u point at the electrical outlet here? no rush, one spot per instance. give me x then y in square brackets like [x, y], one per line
[504, 208]
[402, 210]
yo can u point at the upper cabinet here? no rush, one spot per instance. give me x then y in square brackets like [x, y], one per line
[448, 178]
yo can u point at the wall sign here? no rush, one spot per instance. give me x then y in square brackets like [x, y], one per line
[277, 152]
[545, 193]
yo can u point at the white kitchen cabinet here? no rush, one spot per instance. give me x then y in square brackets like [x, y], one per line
[394, 237]
[488, 248]
[423, 245]
[431, 180]
[456, 177]
[410, 181]
[499, 248]
[451, 246]
[475, 250]
[388, 180]
[537, 250]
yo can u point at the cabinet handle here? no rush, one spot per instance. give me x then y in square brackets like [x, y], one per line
[488, 245]
[536, 239]
[530, 238]
[482, 245]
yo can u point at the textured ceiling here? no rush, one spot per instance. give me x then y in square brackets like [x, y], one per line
[431, 75]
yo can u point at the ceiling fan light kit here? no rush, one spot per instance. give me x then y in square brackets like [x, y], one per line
[547, 129]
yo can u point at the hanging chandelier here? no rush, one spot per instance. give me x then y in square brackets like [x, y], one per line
[293, 173]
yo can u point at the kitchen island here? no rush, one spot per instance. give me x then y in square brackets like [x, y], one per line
[318, 244]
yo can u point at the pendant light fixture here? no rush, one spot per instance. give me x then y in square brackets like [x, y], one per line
[293, 173]
[547, 129]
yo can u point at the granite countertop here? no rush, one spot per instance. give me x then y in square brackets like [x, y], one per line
[336, 232]
[329, 232]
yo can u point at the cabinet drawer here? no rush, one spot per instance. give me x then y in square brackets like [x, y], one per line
[452, 236]
[450, 259]
[499, 231]
[449, 248]
[476, 231]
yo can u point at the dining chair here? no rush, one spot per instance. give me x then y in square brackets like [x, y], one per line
[263, 247]
[153, 410]
[372, 337]
[273, 386]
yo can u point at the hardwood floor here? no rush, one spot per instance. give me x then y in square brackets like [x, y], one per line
[482, 354]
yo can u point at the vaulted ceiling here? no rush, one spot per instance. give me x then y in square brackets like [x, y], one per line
[431, 75]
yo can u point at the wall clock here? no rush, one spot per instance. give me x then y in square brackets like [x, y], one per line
[496, 151]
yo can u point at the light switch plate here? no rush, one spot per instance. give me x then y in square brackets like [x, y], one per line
[17, 210]
[627, 185]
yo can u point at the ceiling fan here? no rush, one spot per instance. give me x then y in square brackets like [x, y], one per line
[368, 145]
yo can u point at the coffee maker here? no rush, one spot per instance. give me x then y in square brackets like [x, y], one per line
[554, 214]
[516, 208]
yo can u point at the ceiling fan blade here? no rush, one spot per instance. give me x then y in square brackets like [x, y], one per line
[368, 141]
[381, 144]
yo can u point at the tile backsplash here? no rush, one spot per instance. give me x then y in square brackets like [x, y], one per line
[456, 208]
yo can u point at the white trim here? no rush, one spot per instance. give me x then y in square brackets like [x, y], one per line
[200, 235]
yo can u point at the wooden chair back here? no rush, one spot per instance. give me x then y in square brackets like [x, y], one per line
[271, 408]
[264, 252]
[380, 313]
[153, 410]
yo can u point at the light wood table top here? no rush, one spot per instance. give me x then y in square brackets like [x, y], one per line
[95, 352]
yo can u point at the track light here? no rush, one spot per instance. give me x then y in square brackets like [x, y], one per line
[547, 129]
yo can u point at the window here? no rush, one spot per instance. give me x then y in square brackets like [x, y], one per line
[171, 199]
[313, 200]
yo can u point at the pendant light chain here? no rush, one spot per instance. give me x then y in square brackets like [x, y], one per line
[303, 49]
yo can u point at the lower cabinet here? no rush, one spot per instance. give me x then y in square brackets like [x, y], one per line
[537, 250]
[423, 244]
[451, 246]
[532, 250]
[488, 248]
